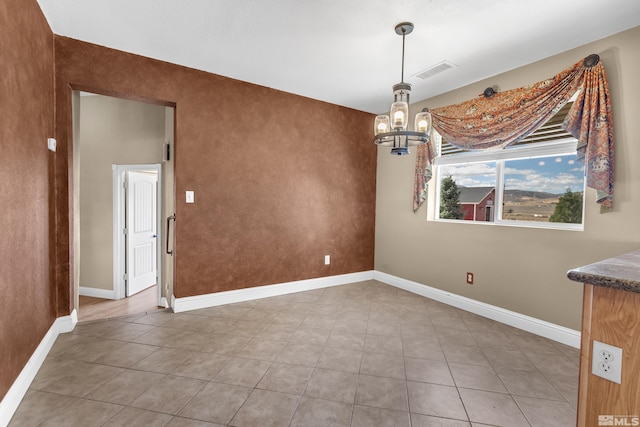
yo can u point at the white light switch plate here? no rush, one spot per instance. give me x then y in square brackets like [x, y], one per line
[190, 197]
[51, 144]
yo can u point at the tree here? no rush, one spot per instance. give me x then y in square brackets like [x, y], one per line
[568, 209]
[450, 207]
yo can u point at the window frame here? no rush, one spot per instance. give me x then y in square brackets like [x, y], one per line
[560, 147]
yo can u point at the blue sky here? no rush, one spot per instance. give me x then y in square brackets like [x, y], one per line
[548, 174]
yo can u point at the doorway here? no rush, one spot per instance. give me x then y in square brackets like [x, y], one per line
[138, 137]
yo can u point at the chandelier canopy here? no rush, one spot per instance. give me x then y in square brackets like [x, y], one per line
[391, 130]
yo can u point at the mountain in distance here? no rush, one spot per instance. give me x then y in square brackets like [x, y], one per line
[513, 195]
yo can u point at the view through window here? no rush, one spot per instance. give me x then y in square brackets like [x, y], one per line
[538, 182]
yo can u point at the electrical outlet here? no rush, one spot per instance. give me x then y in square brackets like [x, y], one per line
[470, 278]
[607, 361]
[327, 259]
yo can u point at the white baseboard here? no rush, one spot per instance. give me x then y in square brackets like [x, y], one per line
[20, 386]
[97, 293]
[545, 329]
[248, 294]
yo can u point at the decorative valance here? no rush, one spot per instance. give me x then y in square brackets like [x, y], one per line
[504, 118]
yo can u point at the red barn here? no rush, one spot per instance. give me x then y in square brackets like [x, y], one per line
[478, 203]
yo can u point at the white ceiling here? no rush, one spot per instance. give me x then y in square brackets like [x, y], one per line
[343, 51]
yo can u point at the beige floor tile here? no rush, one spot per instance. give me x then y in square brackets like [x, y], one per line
[300, 354]
[437, 400]
[310, 336]
[126, 387]
[216, 403]
[567, 385]
[203, 366]
[382, 365]
[529, 342]
[553, 364]
[383, 344]
[379, 327]
[332, 385]
[495, 409]
[452, 337]
[359, 354]
[187, 422]
[262, 349]
[420, 331]
[138, 417]
[546, 413]
[163, 360]
[508, 359]
[247, 328]
[340, 360]
[381, 392]
[286, 378]
[84, 413]
[243, 372]
[527, 383]
[364, 416]
[418, 420]
[494, 340]
[127, 355]
[346, 340]
[225, 344]
[428, 371]
[476, 377]
[277, 332]
[423, 348]
[449, 321]
[321, 413]
[319, 320]
[169, 395]
[266, 409]
[470, 355]
[82, 379]
[352, 324]
[38, 406]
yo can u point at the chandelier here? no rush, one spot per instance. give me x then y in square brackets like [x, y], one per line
[391, 130]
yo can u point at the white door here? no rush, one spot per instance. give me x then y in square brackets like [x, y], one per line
[142, 230]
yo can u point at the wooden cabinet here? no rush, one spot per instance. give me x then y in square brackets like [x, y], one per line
[611, 314]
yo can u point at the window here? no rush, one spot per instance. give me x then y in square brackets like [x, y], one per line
[537, 182]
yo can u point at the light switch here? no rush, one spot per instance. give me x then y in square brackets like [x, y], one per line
[51, 144]
[190, 197]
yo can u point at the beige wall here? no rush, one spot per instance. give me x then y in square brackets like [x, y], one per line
[520, 269]
[112, 131]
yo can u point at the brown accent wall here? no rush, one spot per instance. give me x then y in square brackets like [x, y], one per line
[280, 180]
[26, 108]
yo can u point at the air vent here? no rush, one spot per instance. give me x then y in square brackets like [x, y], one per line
[436, 69]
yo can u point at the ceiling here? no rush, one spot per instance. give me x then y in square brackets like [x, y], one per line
[344, 52]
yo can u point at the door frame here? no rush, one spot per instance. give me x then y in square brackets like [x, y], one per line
[119, 261]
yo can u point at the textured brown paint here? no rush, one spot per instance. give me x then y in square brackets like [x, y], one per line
[280, 180]
[26, 108]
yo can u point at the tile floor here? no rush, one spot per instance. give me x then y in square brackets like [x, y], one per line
[365, 354]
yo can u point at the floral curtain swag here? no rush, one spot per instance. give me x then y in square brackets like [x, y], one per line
[505, 118]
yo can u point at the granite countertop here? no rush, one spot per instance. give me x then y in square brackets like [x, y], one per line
[621, 272]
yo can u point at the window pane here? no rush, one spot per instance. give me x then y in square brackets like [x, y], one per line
[547, 189]
[467, 191]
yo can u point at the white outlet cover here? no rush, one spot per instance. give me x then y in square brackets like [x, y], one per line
[190, 196]
[608, 369]
[327, 259]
